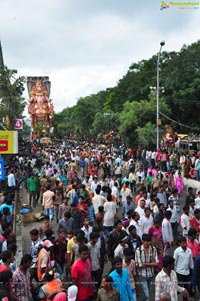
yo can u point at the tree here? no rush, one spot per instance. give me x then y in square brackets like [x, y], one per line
[12, 102]
[132, 105]
[139, 117]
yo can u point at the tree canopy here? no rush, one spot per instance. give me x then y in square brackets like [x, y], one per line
[130, 107]
[12, 103]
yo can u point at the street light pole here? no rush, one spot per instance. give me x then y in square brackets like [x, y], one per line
[157, 96]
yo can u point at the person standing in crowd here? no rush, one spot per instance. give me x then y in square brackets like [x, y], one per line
[5, 285]
[156, 236]
[63, 207]
[190, 196]
[122, 244]
[166, 281]
[107, 291]
[167, 233]
[173, 219]
[146, 221]
[179, 183]
[183, 264]
[60, 247]
[135, 222]
[146, 260]
[128, 205]
[113, 239]
[36, 243]
[110, 210]
[46, 225]
[98, 200]
[67, 223]
[32, 188]
[134, 240]
[129, 264]
[192, 242]
[195, 280]
[125, 191]
[195, 222]
[47, 202]
[121, 280]
[53, 289]
[81, 273]
[95, 258]
[21, 279]
[87, 229]
[185, 221]
[11, 181]
[44, 258]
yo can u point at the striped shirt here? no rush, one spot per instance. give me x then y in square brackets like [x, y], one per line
[144, 256]
[21, 284]
[165, 283]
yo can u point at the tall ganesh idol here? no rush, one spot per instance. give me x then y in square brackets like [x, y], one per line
[40, 106]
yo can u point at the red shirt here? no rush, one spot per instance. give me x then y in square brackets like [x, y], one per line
[194, 247]
[81, 270]
[3, 268]
[194, 223]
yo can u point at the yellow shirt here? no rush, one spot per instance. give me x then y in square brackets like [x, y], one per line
[69, 247]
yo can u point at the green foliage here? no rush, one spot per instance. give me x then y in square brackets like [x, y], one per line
[11, 91]
[146, 135]
[130, 107]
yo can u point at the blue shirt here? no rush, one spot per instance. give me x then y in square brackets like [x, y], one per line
[195, 281]
[91, 213]
[10, 207]
[122, 284]
[75, 199]
[126, 207]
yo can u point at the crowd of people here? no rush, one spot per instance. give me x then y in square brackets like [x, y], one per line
[115, 222]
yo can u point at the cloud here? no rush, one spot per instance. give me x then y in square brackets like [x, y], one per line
[87, 45]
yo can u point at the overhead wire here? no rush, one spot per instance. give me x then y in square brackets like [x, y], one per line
[179, 123]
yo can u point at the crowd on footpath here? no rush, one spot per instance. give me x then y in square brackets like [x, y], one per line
[103, 205]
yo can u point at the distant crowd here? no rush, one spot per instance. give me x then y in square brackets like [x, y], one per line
[115, 221]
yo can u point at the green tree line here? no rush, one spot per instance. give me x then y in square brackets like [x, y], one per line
[130, 106]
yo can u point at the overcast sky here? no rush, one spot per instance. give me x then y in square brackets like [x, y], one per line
[85, 46]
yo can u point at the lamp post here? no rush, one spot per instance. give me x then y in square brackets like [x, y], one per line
[157, 96]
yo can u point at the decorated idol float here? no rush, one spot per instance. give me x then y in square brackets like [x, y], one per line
[40, 106]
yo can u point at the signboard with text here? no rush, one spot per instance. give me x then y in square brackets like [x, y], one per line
[8, 142]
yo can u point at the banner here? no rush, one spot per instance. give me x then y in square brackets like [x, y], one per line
[2, 169]
[8, 142]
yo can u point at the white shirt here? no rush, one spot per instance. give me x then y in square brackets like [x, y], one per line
[197, 202]
[94, 185]
[146, 223]
[110, 209]
[183, 261]
[98, 200]
[137, 226]
[140, 211]
[124, 193]
[165, 283]
[11, 180]
[87, 232]
[115, 192]
[174, 216]
[185, 223]
[119, 251]
[140, 174]
[167, 233]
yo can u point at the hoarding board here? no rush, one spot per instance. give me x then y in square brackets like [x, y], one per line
[8, 142]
